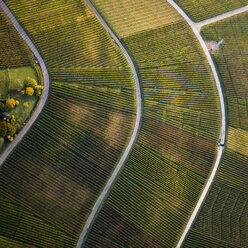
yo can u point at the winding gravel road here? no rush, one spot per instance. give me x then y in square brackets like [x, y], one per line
[44, 97]
[132, 140]
[196, 28]
[221, 144]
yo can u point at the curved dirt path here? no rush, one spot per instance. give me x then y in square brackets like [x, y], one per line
[44, 97]
[221, 144]
[199, 25]
[96, 208]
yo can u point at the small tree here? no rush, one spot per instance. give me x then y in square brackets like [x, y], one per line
[38, 90]
[25, 104]
[30, 82]
[29, 91]
[10, 103]
[11, 129]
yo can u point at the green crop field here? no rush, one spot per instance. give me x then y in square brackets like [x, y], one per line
[13, 50]
[224, 216]
[232, 62]
[177, 84]
[200, 10]
[129, 17]
[158, 188]
[51, 181]
[17, 228]
[55, 175]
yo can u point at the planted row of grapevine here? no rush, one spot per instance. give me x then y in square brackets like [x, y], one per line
[223, 220]
[59, 169]
[200, 10]
[176, 148]
[13, 50]
[17, 228]
[129, 17]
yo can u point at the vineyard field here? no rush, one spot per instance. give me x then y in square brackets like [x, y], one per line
[20, 233]
[232, 61]
[13, 50]
[199, 240]
[200, 10]
[177, 84]
[129, 17]
[61, 166]
[238, 140]
[223, 218]
[176, 148]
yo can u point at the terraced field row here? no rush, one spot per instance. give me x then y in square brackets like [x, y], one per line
[200, 10]
[59, 169]
[158, 188]
[105, 78]
[224, 216]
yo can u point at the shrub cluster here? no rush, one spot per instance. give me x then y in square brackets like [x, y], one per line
[32, 87]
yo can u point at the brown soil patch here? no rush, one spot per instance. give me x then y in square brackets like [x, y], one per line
[211, 44]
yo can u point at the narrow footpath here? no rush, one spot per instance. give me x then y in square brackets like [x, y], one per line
[44, 97]
[102, 197]
[196, 29]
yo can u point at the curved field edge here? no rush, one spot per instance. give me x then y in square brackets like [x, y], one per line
[222, 136]
[46, 81]
[68, 155]
[143, 204]
[223, 219]
[114, 176]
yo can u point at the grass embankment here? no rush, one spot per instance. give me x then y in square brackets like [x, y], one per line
[64, 161]
[200, 10]
[224, 215]
[156, 192]
[16, 65]
[14, 78]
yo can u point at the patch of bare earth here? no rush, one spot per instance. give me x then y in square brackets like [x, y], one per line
[210, 45]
